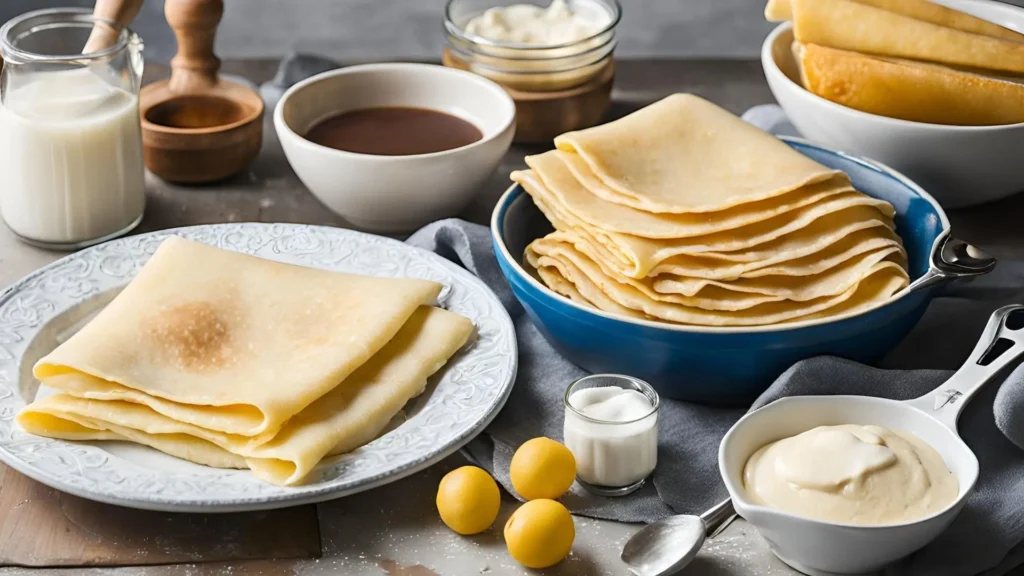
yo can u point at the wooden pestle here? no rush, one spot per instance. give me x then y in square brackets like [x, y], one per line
[120, 11]
[194, 22]
[197, 127]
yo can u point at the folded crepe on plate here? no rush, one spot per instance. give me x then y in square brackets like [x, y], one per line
[684, 213]
[923, 10]
[859, 27]
[351, 414]
[656, 159]
[208, 353]
[909, 90]
[231, 342]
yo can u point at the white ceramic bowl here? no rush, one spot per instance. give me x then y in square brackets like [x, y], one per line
[819, 547]
[395, 193]
[958, 165]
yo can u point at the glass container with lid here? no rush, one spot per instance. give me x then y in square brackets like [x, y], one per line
[557, 86]
[70, 136]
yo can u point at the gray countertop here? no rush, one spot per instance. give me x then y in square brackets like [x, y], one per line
[395, 530]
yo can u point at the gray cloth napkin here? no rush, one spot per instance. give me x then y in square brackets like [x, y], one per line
[687, 479]
[985, 538]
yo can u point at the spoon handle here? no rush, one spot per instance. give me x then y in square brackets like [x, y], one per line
[1001, 343]
[718, 515]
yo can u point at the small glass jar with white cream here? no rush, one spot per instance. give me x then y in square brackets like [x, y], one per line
[611, 428]
[554, 57]
[70, 133]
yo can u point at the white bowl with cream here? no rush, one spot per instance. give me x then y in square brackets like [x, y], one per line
[816, 546]
[395, 193]
[958, 165]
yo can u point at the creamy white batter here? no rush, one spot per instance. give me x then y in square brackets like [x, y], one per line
[851, 474]
[533, 25]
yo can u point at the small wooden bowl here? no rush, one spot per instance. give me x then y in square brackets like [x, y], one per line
[203, 136]
[196, 127]
[541, 116]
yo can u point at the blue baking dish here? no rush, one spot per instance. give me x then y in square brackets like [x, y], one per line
[726, 366]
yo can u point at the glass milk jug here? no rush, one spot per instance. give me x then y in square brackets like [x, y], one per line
[71, 163]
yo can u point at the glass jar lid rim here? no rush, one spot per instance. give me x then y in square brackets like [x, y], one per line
[75, 15]
[457, 31]
[646, 389]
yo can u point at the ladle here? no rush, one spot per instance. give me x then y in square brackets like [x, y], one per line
[196, 126]
[816, 547]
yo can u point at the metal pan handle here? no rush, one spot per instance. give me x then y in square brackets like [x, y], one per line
[1001, 345]
[952, 259]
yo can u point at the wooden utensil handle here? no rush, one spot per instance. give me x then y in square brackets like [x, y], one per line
[195, 66]
[120, 11]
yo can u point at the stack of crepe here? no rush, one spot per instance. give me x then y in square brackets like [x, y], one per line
[682, 212]
[908, 59]
[234, 361]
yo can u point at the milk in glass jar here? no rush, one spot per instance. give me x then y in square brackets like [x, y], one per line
[70, 135]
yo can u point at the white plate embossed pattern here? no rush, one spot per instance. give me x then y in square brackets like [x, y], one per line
[42, 309]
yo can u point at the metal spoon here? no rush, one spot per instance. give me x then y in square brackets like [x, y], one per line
[666, 546]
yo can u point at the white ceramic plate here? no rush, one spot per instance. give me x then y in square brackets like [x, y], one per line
[43, 309]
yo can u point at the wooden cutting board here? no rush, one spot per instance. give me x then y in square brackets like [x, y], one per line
[42, 527]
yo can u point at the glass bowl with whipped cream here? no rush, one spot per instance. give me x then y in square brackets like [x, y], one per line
[611, 428]
[555, 57]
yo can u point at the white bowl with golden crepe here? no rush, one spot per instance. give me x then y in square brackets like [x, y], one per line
[394, 194]
[643, 276]
[295, 364]
[953, 131]
[852, 527]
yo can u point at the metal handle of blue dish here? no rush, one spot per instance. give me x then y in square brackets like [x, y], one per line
[1001, 343]
[952, 258]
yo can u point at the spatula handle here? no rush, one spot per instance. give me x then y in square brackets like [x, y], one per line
[121, 12]
[194, 68]
[1000, 345]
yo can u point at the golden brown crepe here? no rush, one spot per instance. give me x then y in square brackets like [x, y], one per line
[351, 414]
[683, 154]
[909, 90]
[231, 342]
[561, 187]
[924, 10]
[855, 26]
[597, 287]
[831, 281]
[636, 257]
[683, 213]
[767, 259]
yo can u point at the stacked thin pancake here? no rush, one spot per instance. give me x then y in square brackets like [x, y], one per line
[908, 59]
[682, 212]
[233, 361]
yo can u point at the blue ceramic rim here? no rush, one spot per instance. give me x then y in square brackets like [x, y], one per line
[514, 191]
[767, 57]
